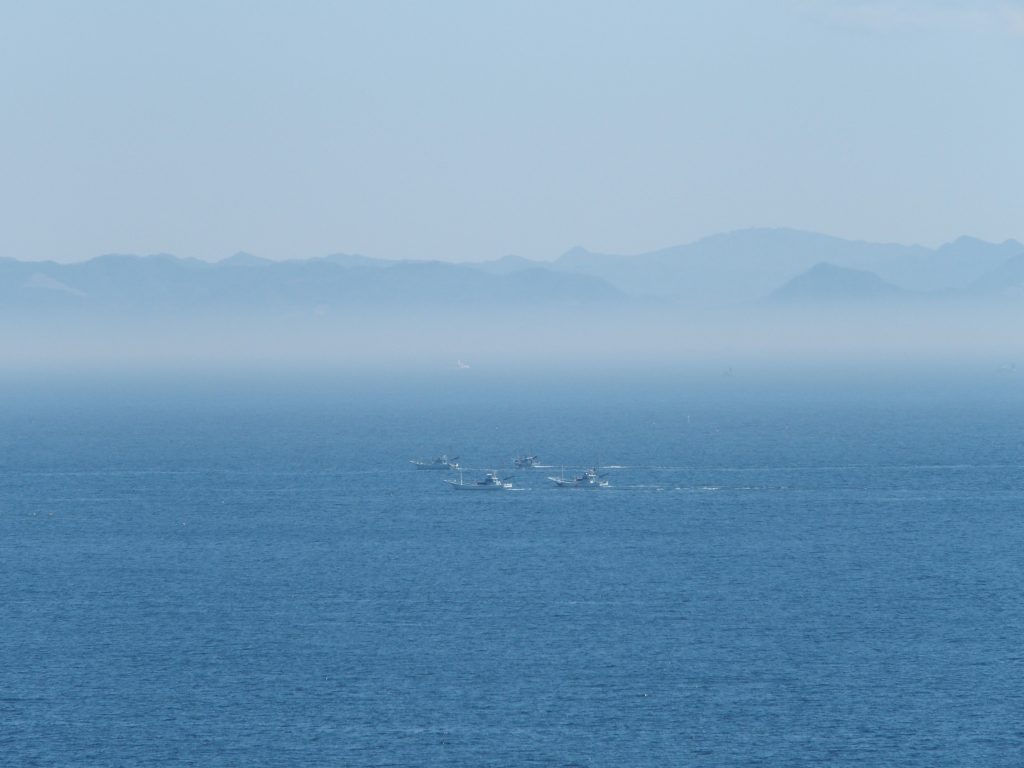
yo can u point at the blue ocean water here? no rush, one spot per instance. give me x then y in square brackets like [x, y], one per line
[219, 573]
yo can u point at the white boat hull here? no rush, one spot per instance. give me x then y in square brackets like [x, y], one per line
[589, 479]
[571, 484]
[441, 462]
[479, 486]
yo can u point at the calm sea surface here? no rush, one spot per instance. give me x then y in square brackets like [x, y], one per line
[223, 574]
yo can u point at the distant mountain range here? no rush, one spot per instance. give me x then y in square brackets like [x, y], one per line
[746, 267]
[245, 282]
[750, 264]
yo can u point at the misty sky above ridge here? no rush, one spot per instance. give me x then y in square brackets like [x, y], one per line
[464, 131]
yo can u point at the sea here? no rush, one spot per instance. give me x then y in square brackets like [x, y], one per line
[245, 569]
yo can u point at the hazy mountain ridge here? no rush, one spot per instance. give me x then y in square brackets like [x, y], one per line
[748, 265]
[726, 270]
[831, 284]
[353, 311]
[1005, 281]
[826, 282]
[245, 282]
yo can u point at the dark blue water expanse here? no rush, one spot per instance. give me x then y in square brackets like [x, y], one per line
[217, 573]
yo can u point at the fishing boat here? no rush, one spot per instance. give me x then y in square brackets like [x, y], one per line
[588, 479]
[491, 482]
[441, 462]
[525, 462]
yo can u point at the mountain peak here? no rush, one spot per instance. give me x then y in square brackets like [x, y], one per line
[825, 282]
[243, 259]
[506, 265]
[356, 260]
[576, 253]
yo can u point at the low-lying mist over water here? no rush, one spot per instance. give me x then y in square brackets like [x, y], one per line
[507, 340]
[754, 297]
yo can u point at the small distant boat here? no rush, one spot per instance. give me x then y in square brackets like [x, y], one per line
[491, 482]
[441, 462]
[589, 479]
[525, 462]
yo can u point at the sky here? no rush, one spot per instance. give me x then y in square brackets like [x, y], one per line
[465, 130]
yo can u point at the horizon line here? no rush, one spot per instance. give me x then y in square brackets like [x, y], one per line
[344, 254]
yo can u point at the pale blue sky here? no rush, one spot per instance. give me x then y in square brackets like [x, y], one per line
[467, 130]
